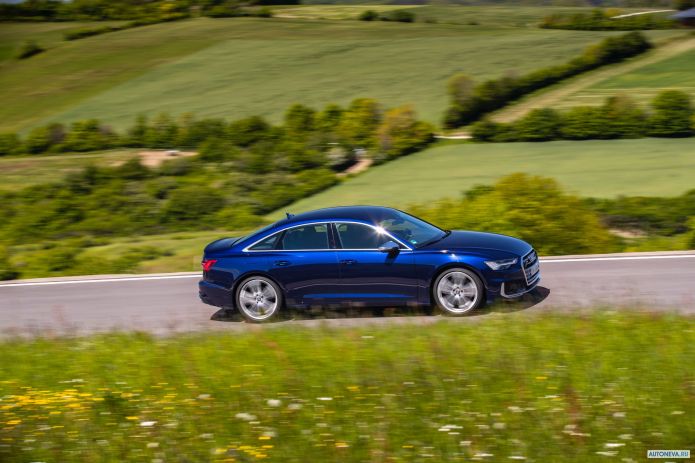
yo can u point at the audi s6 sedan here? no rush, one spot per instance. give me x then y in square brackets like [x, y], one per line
[367, 256]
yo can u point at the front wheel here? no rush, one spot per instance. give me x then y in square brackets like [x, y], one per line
[458, 291]
[258, 299]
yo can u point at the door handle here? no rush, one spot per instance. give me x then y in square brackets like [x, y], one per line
[348, 261]
[282, 263]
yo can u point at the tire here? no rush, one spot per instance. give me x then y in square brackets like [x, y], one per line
[458, 291]
[258, 299]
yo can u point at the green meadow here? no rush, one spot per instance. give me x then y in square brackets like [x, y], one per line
[595, 168]
[248, 66]
[496, 387]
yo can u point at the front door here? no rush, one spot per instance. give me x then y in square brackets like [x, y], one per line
[371, 276]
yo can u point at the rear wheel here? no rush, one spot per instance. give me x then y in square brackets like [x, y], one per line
[258, 299]
[458, 291]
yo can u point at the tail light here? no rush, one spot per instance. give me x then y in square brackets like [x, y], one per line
[207, 264]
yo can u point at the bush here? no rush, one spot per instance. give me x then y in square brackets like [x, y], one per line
[401, 133]
[538, 125]
[29, 49]
[402, 16]
[553, 221]
[672, 115]
[368, 15]
[10, 144]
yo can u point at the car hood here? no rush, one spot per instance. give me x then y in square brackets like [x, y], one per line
[462, 240]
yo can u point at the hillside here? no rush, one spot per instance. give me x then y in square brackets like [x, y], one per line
[238, 67]
[597, 168]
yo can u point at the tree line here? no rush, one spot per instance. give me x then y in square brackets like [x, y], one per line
[604, 20]
[471, 101]
[671, 115]
[100, 10]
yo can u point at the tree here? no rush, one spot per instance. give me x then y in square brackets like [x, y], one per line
[41, 139]
[247, 131]
[299, 120]
[672, 111]
[401, 133]
[137, 133]
[553, 221]
[359, 123]
[191, 203]
[162, 132]
[329, 119]
[368, 15]
[7, 270]
[623, 118]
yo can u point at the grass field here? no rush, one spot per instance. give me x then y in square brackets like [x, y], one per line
[571, 388]
[644, 83]
[596, 168]
[671, 65]
[19, 172]
[238, 67]
[47, 35]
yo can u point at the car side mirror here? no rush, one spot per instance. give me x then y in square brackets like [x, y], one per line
[390, 246]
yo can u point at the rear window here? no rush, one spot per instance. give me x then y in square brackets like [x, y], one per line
[266, 243]
[306, 237]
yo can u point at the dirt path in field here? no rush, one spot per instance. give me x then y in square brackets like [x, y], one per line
[547, 98]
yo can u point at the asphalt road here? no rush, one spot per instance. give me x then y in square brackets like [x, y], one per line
[163, 304]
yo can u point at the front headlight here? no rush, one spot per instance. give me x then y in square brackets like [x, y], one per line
[501, 264]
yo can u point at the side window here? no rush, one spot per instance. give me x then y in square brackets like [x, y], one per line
[306, 237]
[357, 236]
[266, 244]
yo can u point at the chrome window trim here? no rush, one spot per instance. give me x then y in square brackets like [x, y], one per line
[329, 222]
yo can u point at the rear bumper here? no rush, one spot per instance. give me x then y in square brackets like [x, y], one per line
[213, 294]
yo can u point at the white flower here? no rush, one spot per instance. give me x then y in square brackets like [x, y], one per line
[499, 425]
[517, 457]
[294, 406]
[607, 454]
[324, 398]
[152, 445]
[612, 445]
[274, 403]
[147, 424]
[245, 416]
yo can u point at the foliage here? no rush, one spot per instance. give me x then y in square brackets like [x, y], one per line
[401, 133]
[403, 16]
[672, 115]
[684, 4]
[534, 209]
[494, 94]
[29, 49]
[618, 117]
[9, 144]
[603, 20]
[134, 397]
[368, 15]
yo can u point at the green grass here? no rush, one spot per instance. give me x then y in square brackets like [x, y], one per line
[47, 35]
[239, 67]
[571, 388]
[18, 172]
[644, 83]
[597, 168]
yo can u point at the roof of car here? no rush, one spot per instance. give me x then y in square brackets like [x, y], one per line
[364, 213]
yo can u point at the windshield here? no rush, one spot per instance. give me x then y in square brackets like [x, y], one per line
[412, 230]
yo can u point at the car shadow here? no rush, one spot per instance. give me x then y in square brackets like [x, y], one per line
[527, 301]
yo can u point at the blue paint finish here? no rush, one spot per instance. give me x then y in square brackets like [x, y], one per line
[365, 276]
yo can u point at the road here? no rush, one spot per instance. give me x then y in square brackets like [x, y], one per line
[163, 304]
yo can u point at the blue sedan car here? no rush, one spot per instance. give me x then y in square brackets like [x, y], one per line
[364, 255]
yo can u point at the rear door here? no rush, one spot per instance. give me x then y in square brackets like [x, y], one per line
[371, 276]
[304, 263]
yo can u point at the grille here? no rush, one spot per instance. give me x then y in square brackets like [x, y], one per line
[532, 270]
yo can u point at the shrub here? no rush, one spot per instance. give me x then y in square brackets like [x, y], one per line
[538, 125]
[402, 16]
[10, 144]
[401, 133]
[603, 20]
[368, 15]
[551, 220]
[29, 49]
[672, 115]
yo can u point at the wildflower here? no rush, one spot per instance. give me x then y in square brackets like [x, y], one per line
[152, 445]
[147, 424]
[607, 454]
[245, 416]
[499, 425]
[324, 398]
[341, 445]
[274, 403]
[294, 406]
[612, 445]
[517, 457]
[677, 412]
